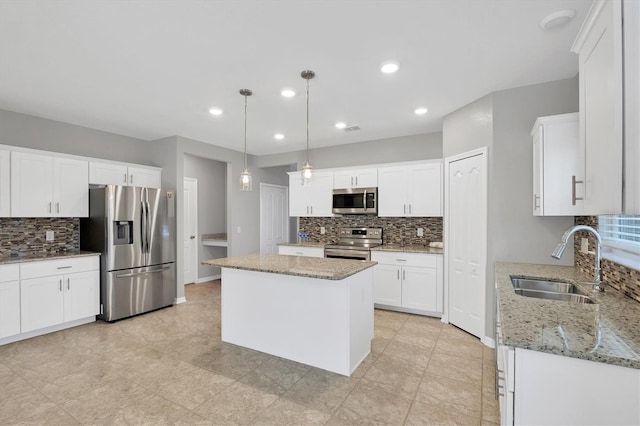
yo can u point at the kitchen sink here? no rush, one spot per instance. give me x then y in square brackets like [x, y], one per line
[548, 289]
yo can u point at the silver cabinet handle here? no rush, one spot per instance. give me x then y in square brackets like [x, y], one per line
[356, 180]
[405, 208]
[50, 208]
[58, 207]
[60, 284]
[311, 209]
[131, 179]
[398, 274]
[351, 180]
[299, 253]
[68, 284]
[536, 198]
[125, 178]
[403, 274]
[409, 208]
[573, 190]
[401, 260]
[65, 267]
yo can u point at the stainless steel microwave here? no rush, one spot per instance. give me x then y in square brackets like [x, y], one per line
[355, 201]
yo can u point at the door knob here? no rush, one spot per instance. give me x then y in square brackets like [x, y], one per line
[192, 237]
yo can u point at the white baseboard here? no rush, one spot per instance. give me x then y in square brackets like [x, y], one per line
[47, 330]
[180, 300]
[488, 341]
[209, 278]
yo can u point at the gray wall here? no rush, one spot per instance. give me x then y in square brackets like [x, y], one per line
[39, 133]
[502, 121]
[212, 206]
[406, 148]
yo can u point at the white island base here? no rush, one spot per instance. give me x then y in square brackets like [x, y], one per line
[319, 322]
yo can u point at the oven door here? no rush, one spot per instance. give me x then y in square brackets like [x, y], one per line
[355, 201]
[336, 253]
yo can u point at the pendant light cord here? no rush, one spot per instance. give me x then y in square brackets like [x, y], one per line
[307, 121]
[245, 133]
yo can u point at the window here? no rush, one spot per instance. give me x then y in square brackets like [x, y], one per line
[621, 239]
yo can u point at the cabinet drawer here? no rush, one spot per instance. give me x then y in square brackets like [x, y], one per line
[301, 251]
[59, 266]
[9, 273]
[405, 259]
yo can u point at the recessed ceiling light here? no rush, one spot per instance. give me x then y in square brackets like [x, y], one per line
[421, 111]
[216, 111]
[341, 125]
[389, 67]
[278, 136]
[557, 19]
[288, 93]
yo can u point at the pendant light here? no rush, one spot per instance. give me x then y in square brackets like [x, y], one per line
[245, 176]
[307, 170]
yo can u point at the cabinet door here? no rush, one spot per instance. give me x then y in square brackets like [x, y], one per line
[387, 285]
[366, 178]
[298, 196]
[392, 191]
[600, 75]
[41, 302]
[537, 172]
[425, 190]
[70, 187]
[9, 308]
[31, 185]
[107, 174]
[320, 194]
[343, 179]
[420, 288]
[148, 178]
[5, 183]
[81, 295]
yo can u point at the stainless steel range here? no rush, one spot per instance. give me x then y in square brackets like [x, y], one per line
[354, 243]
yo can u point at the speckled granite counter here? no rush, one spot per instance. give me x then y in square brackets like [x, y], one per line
[304, 244]
[214, 240]
[311, 267]
[4, 260]
[607, 331]
[413, 248]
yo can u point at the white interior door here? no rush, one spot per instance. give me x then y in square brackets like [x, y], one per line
[274, 217]
[190, 230]
[466, 227]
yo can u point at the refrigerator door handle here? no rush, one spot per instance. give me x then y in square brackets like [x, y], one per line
[148, 231]
[143, 227]
[135, 274]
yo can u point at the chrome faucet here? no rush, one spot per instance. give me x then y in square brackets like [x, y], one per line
[557, 253]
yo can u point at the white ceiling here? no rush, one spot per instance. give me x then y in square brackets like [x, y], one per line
[151, 69]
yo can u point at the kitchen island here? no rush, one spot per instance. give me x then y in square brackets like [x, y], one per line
[315, 311]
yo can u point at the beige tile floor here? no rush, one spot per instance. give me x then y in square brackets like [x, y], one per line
[170, 367]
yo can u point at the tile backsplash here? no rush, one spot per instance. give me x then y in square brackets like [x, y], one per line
[22, 236]
[394, 228]
[618, 276]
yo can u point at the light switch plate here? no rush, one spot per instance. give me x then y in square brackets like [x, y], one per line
[420, 232]
[49, 235]
[323, 230]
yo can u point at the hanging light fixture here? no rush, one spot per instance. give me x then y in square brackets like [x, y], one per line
[245, 176]
[307, 170]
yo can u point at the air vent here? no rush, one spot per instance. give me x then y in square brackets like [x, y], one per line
[351, 128]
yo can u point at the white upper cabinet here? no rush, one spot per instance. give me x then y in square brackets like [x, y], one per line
[5, 183]
[599, 49]
[557, 167]
[411, 190]
[314, 199]
[122, 174]
[632, 106]
[46, 186]
[357, 178]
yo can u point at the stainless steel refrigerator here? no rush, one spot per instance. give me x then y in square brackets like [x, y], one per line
[134, 230]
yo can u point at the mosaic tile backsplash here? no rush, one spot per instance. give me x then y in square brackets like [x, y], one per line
[22, 236]
[624, 279]
[394, 228]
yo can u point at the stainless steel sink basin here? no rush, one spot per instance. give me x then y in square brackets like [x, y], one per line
[543, 285]
[552, 295]
[548, 289]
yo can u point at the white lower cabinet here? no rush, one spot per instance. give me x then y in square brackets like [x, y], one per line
[9, 300]
[409, 282]
[301, 251]
[37, 295]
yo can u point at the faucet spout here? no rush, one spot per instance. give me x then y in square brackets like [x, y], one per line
[557, 253]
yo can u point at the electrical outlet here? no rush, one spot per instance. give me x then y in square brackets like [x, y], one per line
[323, 230]
[584, 245]
[420, 232]
[49, 235]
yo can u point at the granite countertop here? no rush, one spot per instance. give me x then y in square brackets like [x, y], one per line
[607, 331]
[409, 248]
[311, 267]
[305, 244]
[214, 237]
[35, 257]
